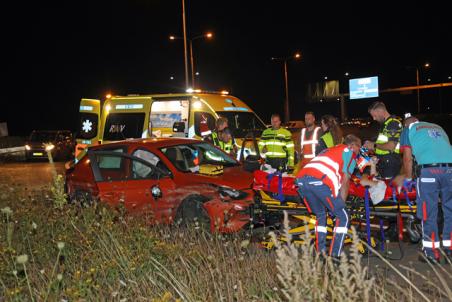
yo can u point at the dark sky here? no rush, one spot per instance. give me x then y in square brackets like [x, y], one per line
[58, 53]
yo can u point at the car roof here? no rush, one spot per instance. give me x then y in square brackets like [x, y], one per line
[150, 142]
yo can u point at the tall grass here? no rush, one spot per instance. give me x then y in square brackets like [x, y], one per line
[99, 254]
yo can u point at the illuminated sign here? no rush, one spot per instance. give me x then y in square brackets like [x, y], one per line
[363, 88]
[86, 108]
[235, 109]
[129, 106]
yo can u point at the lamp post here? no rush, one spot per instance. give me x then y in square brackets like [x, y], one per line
[426, 65]
[296, 56]
[207, 35]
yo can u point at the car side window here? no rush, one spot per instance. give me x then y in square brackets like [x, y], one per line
[141, 170]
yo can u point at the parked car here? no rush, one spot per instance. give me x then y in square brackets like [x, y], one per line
[59, 142]
[172, 179]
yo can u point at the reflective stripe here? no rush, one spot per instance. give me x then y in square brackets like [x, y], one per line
[290, 145]
[428, 180]
[330, 163]
[320, 229]
[341, 230]
[206, 133]
[328, 172]
[313, 141]
[309, 156]
[275, 143]
[397, 147]
[276, 154]
[446, 243]
[430, 244]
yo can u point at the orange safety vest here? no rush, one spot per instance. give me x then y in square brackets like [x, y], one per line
[329, 167]
[308, 145]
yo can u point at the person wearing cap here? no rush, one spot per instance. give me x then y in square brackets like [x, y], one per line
[387, 146]
[429, 144]
[323, 185]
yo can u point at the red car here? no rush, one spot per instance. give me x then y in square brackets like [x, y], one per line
[171, 179]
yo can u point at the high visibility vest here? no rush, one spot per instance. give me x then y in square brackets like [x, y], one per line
[328, 139]
[328, 167]
[226, 147]
[383, 137]
[308, 145]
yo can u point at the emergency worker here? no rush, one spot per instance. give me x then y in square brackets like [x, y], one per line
[332, 133]
[430, 146]
[309, 138]
[323, 185]
[225, 141]
[277, 146]
[387, 146]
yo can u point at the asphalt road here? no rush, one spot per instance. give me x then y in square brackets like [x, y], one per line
[38, 175]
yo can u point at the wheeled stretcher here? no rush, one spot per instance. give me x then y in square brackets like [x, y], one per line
[276, 193]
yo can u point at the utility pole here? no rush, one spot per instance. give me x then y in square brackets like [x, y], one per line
[185, 44]
[286, 101]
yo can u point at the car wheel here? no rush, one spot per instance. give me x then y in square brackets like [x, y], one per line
[191, 212]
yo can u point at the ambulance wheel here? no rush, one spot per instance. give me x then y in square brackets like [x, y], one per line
[191, 212]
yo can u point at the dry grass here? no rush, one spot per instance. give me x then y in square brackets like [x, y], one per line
[99, 254]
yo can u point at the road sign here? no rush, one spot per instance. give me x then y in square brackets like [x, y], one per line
[363, 88]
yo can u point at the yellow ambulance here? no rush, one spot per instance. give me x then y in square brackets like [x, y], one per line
[162, 115]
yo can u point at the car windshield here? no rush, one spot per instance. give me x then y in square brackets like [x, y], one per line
[188, 157]
[42, 136]
[242, 123]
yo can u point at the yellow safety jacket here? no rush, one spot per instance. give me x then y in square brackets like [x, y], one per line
[278, 144]
[226, 147]
[390, 131]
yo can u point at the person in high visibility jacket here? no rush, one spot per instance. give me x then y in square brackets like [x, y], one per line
[309, 138]
[332, 133]
[323, 185]
[387, 146]
[212, 136]
[277, 146]
[225, 142]
[431, 147]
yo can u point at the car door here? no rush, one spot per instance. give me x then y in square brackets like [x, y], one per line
[136, 184]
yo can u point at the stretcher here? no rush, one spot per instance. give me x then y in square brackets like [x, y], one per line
[276, 193]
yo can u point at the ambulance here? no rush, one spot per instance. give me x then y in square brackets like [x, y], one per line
[191, 114]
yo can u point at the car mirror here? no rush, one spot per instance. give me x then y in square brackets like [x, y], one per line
[179, 127]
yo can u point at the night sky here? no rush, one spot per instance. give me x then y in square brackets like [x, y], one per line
[57, 53]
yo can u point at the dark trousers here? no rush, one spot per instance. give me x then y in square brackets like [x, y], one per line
[318, 198]
[435, 183]
[389, 165]
[277, 163]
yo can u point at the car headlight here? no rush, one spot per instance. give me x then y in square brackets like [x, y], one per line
[50, 147]
[27, 147]
[232, 193]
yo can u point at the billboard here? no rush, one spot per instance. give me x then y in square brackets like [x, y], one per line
[363, 88]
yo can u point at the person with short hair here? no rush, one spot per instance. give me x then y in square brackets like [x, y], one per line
[277, 146]
[430, 145]
[323, 185]
[387, 145]
[309, 139]
[225, 142]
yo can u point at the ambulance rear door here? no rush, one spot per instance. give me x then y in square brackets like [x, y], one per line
[88, 125]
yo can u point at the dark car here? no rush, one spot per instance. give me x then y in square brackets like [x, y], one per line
[59, 142]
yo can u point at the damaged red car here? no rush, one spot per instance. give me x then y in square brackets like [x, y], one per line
[171, 179]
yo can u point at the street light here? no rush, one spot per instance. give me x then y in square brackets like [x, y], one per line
[207, 35]
[296, 56]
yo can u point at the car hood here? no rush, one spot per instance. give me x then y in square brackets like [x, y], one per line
[234, 177]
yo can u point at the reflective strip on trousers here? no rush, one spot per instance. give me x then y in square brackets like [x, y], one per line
[446, 243]
[320, 229]
[430, 244]
[341, 230]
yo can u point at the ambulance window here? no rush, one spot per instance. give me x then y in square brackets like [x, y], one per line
[119, 126]
[87, 125]
[201, 118]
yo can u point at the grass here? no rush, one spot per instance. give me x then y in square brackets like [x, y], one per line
[55, 252]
